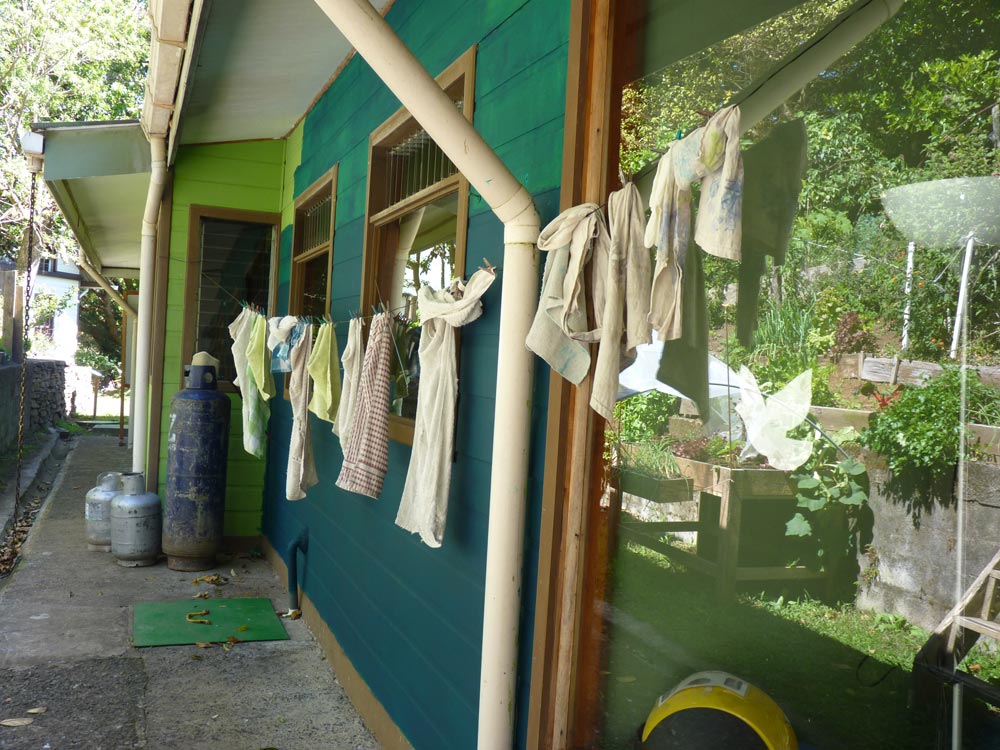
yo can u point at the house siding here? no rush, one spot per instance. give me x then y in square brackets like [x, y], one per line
[246, 176]
[410, 617]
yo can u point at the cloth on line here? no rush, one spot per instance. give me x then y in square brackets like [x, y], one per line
[559, 332]
[354, 354]
[684, 364]
[255, 410]
[325, 373]
[626, 298]
[424, 506]
[258, 359]
[280, 341]
[774, 171]
[712, 155]
[367, 456]
[301, 472]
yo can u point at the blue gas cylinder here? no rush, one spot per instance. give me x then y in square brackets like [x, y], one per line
[197, 448]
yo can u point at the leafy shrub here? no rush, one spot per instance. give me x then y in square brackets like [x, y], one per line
[919, 431]
[852, 335]
[644, 416]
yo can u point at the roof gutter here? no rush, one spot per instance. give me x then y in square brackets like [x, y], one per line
[170, 20]
[373, 38]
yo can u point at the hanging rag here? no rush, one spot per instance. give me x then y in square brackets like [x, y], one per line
[367, 456]
[712, 155]
[279, 342]
[684, 364]
[325, 373]
[354, 354]
[258, 359]
[774, 171]
[301, 472]
[626, 298]
[255, 410]
[559, 333]
[424, 505]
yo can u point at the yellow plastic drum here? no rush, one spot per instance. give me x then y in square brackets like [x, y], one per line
[717, 710]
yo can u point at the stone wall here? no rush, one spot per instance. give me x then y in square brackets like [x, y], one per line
[45, 401]
[915, 536]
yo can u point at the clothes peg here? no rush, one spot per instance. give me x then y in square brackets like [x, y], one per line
[489, 267]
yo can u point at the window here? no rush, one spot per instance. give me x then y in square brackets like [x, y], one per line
[418, 207]
[312, 247]
[230, 262]
[47, 265]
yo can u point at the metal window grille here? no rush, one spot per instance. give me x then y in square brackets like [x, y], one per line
[415, 164]
[315, 223]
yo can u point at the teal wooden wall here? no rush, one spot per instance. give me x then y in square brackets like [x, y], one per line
[410, 617]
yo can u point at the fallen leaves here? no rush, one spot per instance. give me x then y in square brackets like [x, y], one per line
[201, 644]
[38, 710]
[201, 595]
[10, 546]
[215, 579]
[198, 617]
[22, 721]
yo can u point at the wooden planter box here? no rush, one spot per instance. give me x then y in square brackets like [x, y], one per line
[726, 497]
[657, 489]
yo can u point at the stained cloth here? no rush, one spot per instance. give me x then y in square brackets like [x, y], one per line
[559, 333]
[354, 354]
[325, 373]
[624, 320]
[424, 505]
[712, 155]
[367, 455]
[255, 410]
[279, 342]
[774, 171]
[258, 358]
[301, 472]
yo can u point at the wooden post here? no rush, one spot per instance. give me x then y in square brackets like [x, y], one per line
[17, 329]
[730, 520]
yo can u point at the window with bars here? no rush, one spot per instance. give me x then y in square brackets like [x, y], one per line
[418, 205]
[312, 247]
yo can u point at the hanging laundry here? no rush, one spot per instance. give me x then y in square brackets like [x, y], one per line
[424, 505]
[279, 342]
[559, 333]
[774, 171]
[301, 472]
[684, 364]
[258, 361]
[626, 298]
[712, 155]
[354, 354]
[255, 410]
[325, 373]
[367, 455]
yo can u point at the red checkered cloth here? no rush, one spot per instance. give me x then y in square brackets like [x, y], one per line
[367, 455]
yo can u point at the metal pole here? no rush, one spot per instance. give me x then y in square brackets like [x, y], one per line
[907, 289]
[963, 294]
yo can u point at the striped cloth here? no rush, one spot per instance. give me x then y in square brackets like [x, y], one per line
[367, 456]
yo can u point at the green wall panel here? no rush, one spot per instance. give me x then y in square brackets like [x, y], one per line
[246, 176]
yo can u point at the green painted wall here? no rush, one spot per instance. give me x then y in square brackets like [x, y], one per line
[410, 617]
[247, 176]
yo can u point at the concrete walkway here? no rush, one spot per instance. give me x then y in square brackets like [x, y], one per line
[65, 627]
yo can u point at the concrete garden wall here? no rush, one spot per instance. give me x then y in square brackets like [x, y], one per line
[916, 542]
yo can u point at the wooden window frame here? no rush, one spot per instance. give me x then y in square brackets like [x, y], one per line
[325, 185]
[459, 80]
[192, 283]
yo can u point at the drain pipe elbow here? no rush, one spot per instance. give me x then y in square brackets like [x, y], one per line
[299, 543]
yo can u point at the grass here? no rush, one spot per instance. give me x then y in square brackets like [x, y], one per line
[841, 675]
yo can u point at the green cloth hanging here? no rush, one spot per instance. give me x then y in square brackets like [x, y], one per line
[684, 363]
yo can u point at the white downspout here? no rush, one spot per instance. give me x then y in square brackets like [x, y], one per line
[144, 327]
[378, 44]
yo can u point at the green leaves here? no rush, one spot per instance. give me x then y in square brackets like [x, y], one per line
[798, 526]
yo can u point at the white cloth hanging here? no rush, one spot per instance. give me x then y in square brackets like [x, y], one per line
[559, 333]
[626, 297]
[255, 410]
[712, 155]
[301, 472]
[354, 354]
[367, 456]
[424, 505]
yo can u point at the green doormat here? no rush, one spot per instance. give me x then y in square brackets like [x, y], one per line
[169, 623]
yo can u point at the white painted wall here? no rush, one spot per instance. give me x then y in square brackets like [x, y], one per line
[65, 325]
